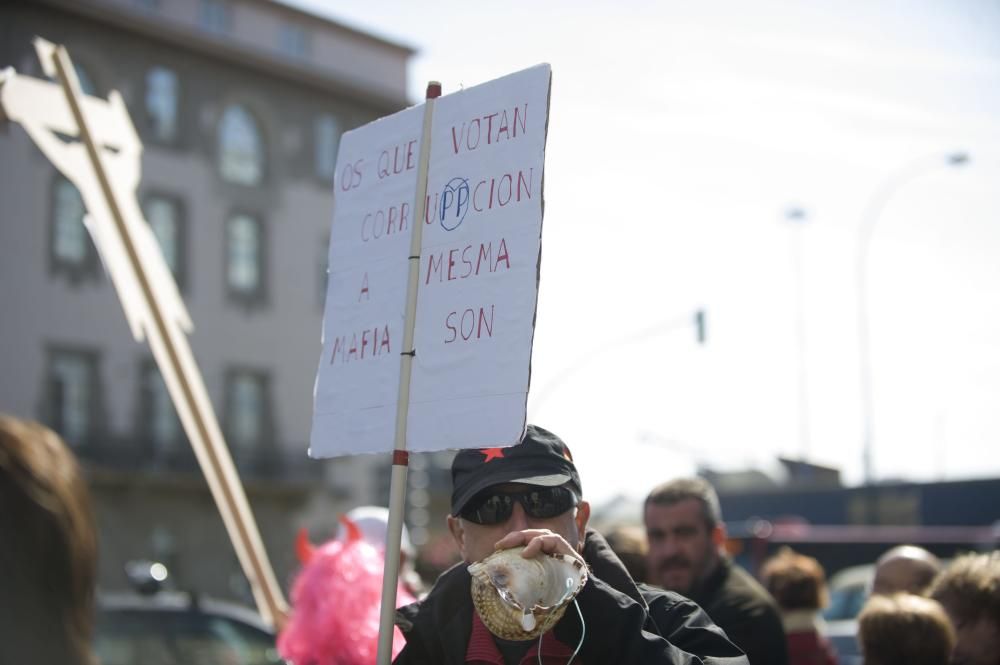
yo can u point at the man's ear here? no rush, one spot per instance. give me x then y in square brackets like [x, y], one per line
[457, 532]
[719, 535]
[582, 517]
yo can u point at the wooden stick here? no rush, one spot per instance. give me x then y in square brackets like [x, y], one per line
[400, 458]
[187, 390]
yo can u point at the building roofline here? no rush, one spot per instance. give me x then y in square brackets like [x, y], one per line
[235, 53]
[284, 5]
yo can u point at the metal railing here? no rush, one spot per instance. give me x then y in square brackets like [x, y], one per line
[264, 463]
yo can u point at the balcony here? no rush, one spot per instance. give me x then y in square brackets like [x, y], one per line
[137, 455]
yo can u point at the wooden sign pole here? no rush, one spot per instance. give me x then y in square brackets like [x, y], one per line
[140, 274]
[400, 456]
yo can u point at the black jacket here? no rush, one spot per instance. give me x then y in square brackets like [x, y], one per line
[625, 623]
[746, 611]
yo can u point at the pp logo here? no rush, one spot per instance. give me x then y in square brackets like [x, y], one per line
[454, 203]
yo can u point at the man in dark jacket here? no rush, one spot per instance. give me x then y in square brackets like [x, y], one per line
[686, 535]
[530, 495]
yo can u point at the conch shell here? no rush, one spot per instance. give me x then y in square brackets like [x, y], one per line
[518, 598]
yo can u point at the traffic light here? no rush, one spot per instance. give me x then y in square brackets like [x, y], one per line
[699, 323]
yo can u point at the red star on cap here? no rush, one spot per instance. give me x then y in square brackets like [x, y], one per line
[491, 454]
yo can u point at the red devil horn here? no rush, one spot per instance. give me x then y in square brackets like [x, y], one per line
[303, 548]
[353, 532]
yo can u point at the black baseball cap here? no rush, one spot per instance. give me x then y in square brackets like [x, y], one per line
[542, 459]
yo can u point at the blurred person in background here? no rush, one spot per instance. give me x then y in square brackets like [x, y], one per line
[798, 585]
[336, 599]
[686, 538]
[904, 629]
[48, 550]
[628, 541]
[969, 591]
[905, 568]
[373, 522]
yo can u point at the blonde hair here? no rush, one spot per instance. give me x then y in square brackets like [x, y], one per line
[970, 588]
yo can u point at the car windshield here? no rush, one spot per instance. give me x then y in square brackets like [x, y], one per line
[159, 637]
[846, 602]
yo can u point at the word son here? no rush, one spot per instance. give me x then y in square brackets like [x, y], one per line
[469, 325]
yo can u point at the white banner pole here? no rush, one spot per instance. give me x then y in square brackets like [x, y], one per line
[400, 457]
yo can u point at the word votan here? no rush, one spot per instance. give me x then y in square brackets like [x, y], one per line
[470, 325]
[489, 129]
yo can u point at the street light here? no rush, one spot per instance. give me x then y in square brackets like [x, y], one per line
[876, 204]
[797, 217]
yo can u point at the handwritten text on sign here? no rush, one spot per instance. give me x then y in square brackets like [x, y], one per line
[478, 275]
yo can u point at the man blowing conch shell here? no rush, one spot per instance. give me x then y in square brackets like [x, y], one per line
[571, 600]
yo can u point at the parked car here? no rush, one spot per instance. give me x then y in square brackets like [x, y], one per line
[155, 627]
[849, 589]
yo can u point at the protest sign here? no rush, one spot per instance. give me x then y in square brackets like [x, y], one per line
[358, 378]
[478, 276]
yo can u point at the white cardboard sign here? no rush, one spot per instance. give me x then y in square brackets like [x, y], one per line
[478, 277]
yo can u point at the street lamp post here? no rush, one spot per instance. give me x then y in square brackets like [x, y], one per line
[873, 211]
[797, 216]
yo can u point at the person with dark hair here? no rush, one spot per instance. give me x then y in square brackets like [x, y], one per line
[48, 550]
[628, 541]
[798, 584]
[904, 629]
[905, 568]
[530, 495]
[686, 538]
[969, 591]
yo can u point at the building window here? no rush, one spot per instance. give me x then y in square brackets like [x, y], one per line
[160, 424]
[161, 103]
[244, 257]
[87, 85]
[241, 149]
[71, 398]
[293, 40]
[214, 16]
[70, 246]
[164, 217]
[247, 409]
[327, 142]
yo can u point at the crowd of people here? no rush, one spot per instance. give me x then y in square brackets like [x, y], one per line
[666, 592]
[670, 593]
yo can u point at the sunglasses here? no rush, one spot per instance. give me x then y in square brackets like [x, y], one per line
[492, 507]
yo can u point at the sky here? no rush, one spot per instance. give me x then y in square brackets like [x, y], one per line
[726, 156]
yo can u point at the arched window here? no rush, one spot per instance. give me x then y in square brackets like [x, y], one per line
[241, 149]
